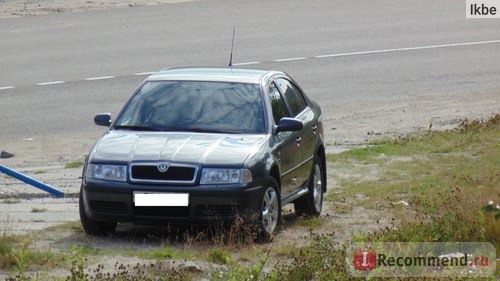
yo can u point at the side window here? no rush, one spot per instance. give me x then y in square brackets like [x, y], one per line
[292, 95]
[277, 103]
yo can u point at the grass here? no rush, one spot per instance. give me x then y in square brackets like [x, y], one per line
[287, 250]
[69, 226]
[218, 256]
[310, 222]
[15, 254]
[73, 164]
[164, 253]
[449, 177]
[11, 201]
[448, 182]
[38, 210]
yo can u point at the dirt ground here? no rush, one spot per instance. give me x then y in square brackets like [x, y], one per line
[16, 8]
[24, 209]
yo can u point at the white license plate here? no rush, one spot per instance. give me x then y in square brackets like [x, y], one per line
[146, 199]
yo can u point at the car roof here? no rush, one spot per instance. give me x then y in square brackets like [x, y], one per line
[227, 74]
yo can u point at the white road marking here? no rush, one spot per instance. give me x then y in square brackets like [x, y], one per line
[409, 49]
[290, 59]
[304, 58]
[143, 73]
[49, 83]
[99, 78]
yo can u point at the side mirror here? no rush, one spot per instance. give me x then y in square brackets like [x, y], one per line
[103, 119]
[287, 124]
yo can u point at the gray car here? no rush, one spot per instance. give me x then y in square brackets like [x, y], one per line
[193, 145]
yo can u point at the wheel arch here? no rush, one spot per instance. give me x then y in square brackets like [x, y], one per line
[322, 157]
[275, 173]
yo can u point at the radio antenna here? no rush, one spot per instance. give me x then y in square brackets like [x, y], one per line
[231, 56]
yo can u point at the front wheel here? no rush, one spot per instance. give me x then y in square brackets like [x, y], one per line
[92, 227]
[312, 203]
[270, 209]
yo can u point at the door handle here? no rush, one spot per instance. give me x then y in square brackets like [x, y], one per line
[298, 140]
[315, 127]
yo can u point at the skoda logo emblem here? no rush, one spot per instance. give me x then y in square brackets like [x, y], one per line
[163, 167]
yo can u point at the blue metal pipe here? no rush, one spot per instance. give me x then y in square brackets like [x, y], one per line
[31, 181]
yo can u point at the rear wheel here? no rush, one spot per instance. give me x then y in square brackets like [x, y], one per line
[270, 209]
[92, 227]
[312, 203]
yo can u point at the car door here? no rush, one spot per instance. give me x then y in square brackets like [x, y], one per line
[289, 156]
[307, 136]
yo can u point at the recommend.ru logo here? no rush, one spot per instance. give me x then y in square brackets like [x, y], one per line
[421, 259]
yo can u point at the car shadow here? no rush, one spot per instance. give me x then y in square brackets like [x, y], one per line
[177, 235]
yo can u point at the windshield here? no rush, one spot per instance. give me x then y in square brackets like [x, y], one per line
[195, 106]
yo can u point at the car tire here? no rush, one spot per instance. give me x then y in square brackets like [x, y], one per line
[270, 216]
[91, 227]
[311, 204]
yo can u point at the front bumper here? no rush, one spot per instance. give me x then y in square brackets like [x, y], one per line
[107, 201]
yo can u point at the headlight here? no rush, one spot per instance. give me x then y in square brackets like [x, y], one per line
[222, 176]
[107, 172]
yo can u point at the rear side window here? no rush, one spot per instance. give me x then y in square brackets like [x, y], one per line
[277, 103]
[292, 95]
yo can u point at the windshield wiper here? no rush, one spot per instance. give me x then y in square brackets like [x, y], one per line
[167, 129]
[209, 130]
[137, 128]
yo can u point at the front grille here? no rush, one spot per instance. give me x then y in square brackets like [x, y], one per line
[172, 212]
[176, 173]
[108, 207]
[216, 211]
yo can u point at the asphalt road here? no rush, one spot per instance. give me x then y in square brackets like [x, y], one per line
[58, 70]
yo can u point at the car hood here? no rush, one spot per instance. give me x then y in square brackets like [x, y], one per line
[202, 148]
